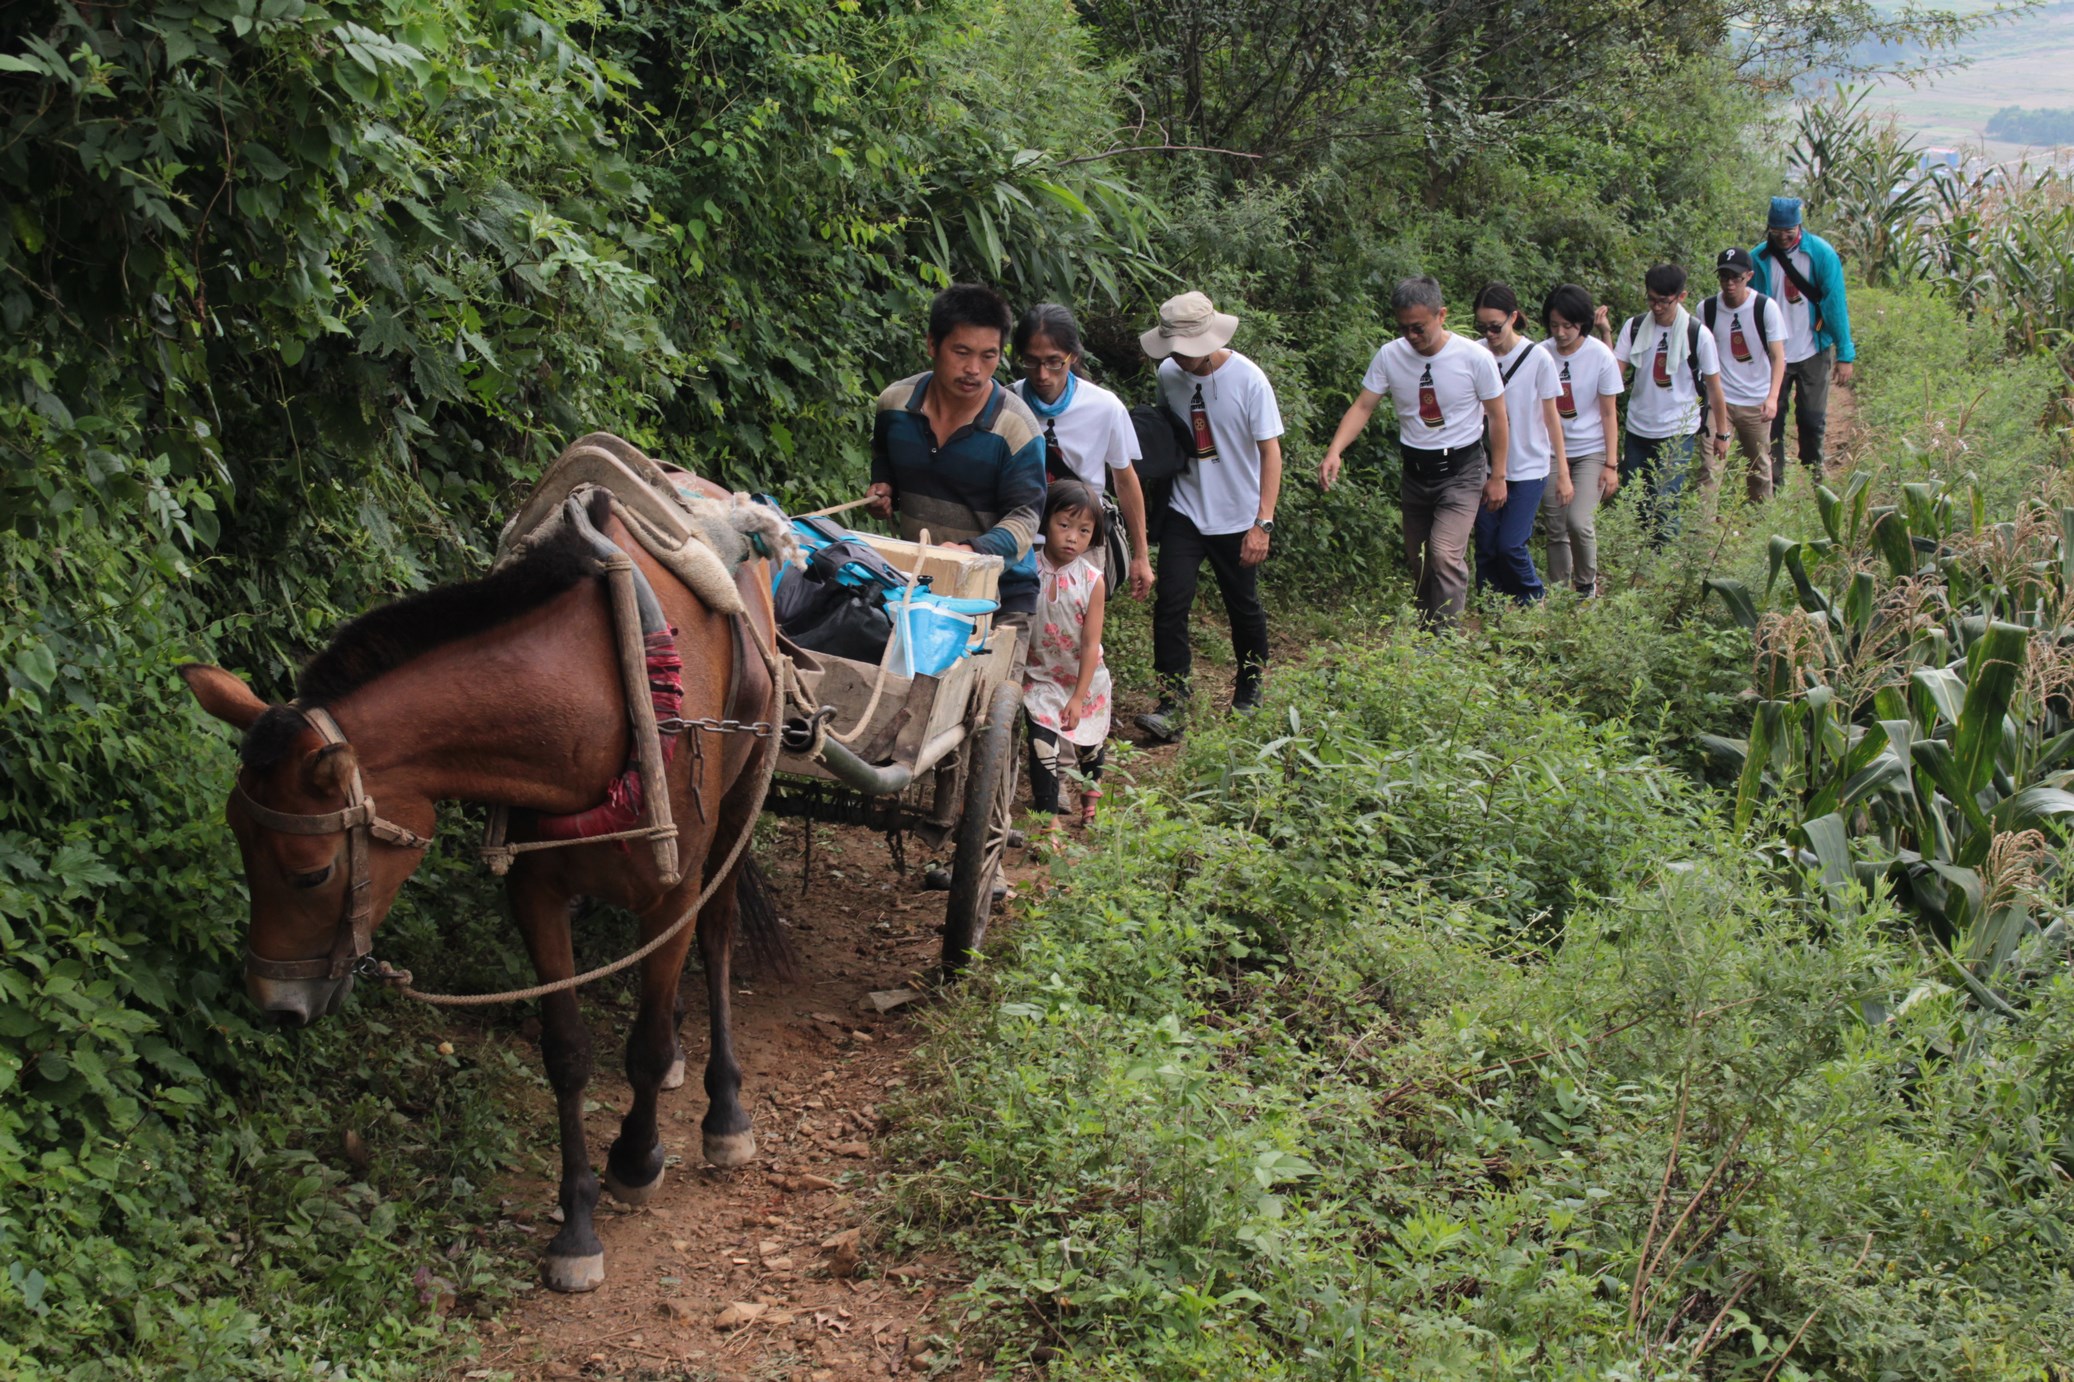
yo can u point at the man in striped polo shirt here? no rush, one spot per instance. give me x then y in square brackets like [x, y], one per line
[954, 452]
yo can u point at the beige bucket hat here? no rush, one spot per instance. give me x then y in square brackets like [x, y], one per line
[1190, 324]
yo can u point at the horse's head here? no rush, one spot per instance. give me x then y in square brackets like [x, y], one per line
[321, 867]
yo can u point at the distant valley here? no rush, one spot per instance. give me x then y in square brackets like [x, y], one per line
[2026, 62]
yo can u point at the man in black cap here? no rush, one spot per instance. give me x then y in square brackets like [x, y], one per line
[1750, 333]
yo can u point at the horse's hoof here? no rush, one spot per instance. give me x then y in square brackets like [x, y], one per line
[730, 1149]
[631, 1195]
[675, 1079]
[575, 1275]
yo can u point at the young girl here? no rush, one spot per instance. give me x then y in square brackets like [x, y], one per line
[1065, 685]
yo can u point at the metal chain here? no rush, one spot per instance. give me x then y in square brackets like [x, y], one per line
[762, 729]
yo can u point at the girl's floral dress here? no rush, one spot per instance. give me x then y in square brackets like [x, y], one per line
[1054, 668]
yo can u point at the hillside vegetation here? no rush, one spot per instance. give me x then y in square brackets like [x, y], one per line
[1435, 1023]
[298, 297]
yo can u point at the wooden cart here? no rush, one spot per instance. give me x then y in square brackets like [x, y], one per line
[931, 756]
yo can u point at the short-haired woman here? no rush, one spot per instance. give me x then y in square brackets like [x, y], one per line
[1588, 380]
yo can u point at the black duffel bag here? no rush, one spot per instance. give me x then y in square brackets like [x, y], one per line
[823, 612]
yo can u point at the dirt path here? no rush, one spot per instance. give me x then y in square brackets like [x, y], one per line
[735, 1275]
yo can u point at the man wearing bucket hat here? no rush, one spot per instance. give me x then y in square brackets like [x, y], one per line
[1802, 273]
[1223, 505]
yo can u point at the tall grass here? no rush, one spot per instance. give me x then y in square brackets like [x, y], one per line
[1998, 241]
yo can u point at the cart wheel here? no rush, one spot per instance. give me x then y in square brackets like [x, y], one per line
[983, 828]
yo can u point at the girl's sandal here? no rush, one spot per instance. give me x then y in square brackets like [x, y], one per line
[1087, 805]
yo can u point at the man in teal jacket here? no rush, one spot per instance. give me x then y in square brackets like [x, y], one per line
[1801, 272]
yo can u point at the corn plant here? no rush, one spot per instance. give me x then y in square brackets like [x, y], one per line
[1996, 240]
[1913, 717]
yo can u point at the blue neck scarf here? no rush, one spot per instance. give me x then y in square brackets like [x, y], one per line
[1050, 410]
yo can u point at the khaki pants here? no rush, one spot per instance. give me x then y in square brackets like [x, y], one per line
[1572, 529]
[1754, 440]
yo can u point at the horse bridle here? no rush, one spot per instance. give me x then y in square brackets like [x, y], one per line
[355, 938]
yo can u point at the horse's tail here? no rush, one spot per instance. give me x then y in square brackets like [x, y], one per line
[757, 920]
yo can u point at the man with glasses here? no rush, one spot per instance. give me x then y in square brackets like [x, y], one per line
[1671, 363]
[1802, 273]
[1447, 392]
[1223, 507]
[1750, 340]
[1088, 436]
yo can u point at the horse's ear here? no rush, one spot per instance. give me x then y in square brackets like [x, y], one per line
[331, 768]
[223, 695]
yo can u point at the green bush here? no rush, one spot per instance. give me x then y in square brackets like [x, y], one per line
[1423, 1030]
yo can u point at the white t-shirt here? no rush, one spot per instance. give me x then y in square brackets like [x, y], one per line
[1223, 495]
[1660, 410]
[1747, 378]
[1530, 451]
[1094, 433]
[1461, 377]
[1800, 313]
[1583, 377]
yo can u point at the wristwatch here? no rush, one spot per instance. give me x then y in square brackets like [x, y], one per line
[1724, 436]
[1266, 525]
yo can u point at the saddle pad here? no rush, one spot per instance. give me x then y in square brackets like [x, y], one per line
[700, 539]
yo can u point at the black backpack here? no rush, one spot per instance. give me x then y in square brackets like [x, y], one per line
[1758, 302]
[1165, 448]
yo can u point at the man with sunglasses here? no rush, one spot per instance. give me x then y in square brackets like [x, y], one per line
[1676, 374]
[1447, 392]
[1802, 273]
[1750, 339]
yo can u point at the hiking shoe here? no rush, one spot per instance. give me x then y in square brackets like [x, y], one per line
[1163, 724]
[1245, 700]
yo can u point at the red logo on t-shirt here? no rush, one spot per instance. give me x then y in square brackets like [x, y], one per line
[1429, 401]
[1660, 372]
[1566, 402]
[1737, 346]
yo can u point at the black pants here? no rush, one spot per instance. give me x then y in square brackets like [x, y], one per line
[1050, 755]
[1804, 394]
[1182, 548]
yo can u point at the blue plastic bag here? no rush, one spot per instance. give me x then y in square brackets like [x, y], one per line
[931, 632]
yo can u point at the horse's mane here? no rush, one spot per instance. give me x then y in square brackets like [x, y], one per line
[386, 637]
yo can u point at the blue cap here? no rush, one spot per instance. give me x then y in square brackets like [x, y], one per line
[1785, 213]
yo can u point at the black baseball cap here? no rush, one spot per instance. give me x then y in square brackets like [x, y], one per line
[1736, 260]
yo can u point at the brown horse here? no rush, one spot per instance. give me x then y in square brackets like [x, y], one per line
[507, 690]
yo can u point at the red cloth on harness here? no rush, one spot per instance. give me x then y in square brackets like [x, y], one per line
[621, 809]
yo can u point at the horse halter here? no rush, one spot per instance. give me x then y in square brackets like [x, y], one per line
[355, 938]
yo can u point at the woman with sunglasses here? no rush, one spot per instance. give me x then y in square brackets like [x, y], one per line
[1588, 382]
[1087, 437]
[1536, 451]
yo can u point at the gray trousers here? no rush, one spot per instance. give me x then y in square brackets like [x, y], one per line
[1806, 395]
[1439, 517]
